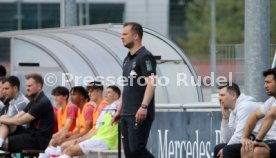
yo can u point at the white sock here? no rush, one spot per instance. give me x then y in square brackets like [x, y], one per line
[50, 150]
[64, 156]
[42, 155]
[1, 142]
[58, 150]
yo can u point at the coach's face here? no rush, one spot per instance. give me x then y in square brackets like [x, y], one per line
[270, 85]
[128, 37]
[33, 88]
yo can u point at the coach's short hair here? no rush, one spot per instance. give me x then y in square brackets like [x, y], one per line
[136, 28]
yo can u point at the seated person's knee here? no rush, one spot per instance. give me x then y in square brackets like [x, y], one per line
[260, 151]
[71, 151]
[68, 151]
[66, 144]
[12, 129]
[63, 146]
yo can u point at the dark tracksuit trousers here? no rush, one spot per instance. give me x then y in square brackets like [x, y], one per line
[135, 137]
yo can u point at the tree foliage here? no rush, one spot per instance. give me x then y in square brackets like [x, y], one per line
[229, 25]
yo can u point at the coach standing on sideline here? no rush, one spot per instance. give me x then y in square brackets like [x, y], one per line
[136, 107]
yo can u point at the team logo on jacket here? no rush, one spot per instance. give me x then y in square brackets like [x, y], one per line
[133, 64]
[148, 65]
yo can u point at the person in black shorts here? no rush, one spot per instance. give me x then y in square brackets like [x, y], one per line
[38, 114]
[137, 104]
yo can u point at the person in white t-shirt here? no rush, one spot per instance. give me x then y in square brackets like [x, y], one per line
[264, 145]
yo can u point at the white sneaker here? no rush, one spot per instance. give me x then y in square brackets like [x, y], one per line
[50, 150]
[43, 155]
[64, 156]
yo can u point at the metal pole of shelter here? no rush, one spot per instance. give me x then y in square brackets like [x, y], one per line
[80, 12]
[257, 42]
[213, 42]
[87, 13]
[68, 13]
[62, 22]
